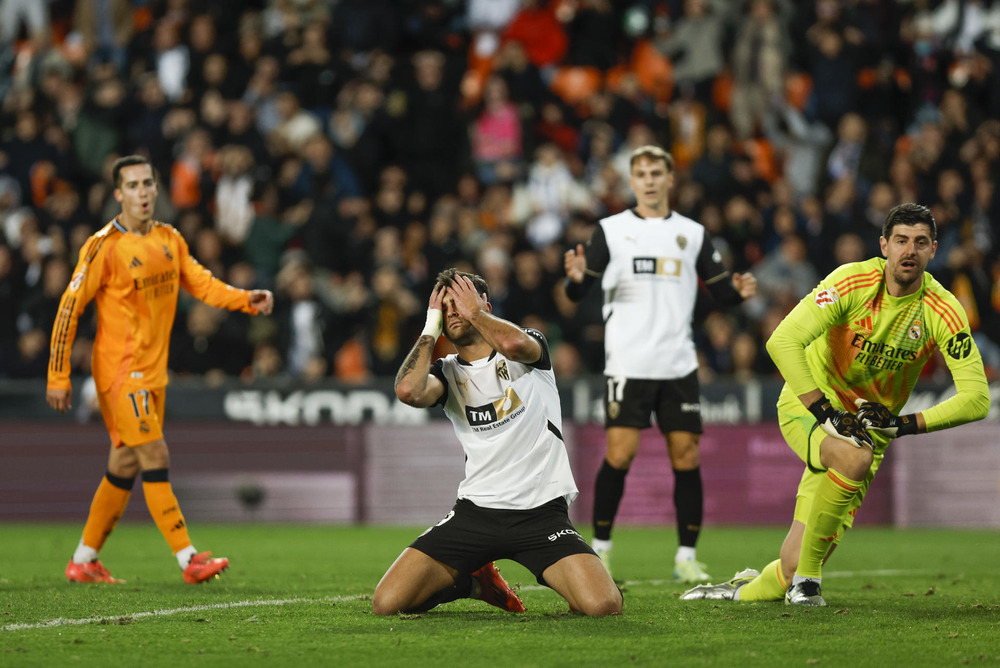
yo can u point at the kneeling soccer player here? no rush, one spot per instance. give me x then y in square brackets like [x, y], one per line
[499, 391]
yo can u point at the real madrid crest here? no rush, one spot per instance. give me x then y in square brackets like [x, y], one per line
[682, 241]
[915, 332]
[502, 370]
[614, 410]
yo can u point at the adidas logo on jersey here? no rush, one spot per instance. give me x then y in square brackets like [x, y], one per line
[865, 323]
[135, 262]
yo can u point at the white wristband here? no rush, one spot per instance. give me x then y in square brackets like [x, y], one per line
[433, 324]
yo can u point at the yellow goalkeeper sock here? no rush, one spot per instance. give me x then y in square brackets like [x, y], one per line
[826, 519]
[164, 508]
[106, 509]
[768, 586]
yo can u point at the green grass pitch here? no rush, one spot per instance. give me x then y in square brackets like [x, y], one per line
[300, 596]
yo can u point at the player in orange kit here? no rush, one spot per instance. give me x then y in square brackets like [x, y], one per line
[133, 268]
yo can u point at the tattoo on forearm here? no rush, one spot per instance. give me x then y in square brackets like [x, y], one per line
[410, 363]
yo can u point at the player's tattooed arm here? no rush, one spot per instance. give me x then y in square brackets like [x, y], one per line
[415, 385]
[421, 349]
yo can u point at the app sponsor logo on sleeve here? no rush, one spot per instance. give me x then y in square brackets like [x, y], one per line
[960, 346]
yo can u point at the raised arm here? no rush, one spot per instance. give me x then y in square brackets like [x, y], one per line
[415, 385]
[584, 265]
[200, 282]
[725, 289]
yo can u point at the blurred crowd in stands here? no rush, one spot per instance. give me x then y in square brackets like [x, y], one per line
[342, 152]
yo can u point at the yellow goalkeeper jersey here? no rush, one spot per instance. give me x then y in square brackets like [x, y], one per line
[852, 339]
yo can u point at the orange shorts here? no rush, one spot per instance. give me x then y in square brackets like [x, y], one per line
[133, 414]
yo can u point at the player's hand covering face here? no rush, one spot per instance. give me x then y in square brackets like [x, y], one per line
[461, 304]
[437, 298]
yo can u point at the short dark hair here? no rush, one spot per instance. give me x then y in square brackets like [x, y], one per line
[128, 161]
[909, 214]
[445, 278]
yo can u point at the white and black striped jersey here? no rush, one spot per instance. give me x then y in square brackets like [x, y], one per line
[649, 270]
[508, 418]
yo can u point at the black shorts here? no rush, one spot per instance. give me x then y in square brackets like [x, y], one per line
[470, 537]
[629, 402]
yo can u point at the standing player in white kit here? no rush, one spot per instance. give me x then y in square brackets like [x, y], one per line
[649, 261]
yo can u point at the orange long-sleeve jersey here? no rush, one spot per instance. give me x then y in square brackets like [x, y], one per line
[135, 280]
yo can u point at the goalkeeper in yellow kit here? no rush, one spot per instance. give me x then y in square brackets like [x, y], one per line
[858, 343]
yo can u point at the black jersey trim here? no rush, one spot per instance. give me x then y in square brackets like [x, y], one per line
[464, 363]
[635, 212]
[437, 370]
[554, 429]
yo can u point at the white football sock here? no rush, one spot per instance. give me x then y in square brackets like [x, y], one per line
[84, 554]
[184, 556]
[685, 553]
[601, 545]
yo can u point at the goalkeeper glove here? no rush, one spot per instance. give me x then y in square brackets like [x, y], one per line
[880, 419]
[840, 424]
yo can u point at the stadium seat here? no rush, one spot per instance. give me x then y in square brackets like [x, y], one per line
[722, 90]
[575, 84]
[654, 70]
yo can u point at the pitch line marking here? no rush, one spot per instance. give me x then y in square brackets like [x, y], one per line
[110, 619]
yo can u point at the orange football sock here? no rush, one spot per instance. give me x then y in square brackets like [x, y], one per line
[164, 508]
[106, 509]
